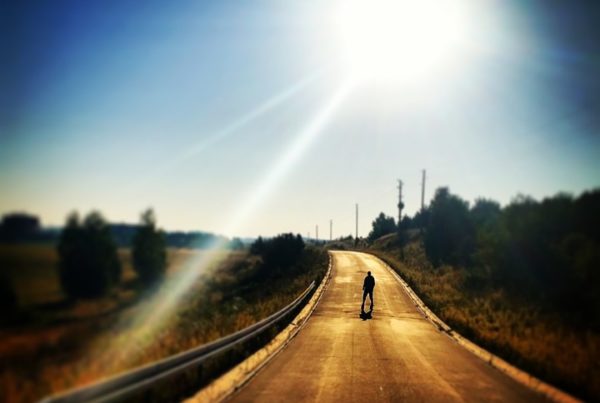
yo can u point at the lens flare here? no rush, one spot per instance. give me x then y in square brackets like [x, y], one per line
[158, 313]
[282, 166]
[201, 146]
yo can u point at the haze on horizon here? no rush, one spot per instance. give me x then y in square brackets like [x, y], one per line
[254, 119]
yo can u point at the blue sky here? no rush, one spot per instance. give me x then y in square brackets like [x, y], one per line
[191, 107]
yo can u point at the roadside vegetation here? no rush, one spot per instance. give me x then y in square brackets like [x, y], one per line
[55, 337]
[522, 280]
[89, 265]
[149, 251]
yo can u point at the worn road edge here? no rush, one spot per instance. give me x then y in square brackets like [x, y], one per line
[235, 379]
[517, 374]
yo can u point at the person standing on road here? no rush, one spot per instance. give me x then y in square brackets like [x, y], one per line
[368, 286]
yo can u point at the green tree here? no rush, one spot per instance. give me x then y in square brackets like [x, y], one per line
[485, 212]
[258, 246]
[382, 225]
[283, 251]
[279, 255]
[149, 250]
[420, 219]
[89, 265]
[449, 235]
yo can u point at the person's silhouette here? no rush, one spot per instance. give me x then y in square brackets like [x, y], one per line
[368, 286]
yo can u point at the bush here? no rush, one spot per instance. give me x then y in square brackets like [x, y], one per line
[283, 251]
[278, 254]
[149, 250]
[89, 265]
[382, 225]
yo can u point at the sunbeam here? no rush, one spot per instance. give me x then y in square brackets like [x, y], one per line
[158, 312]
[201, 146]
[249, 117]
[174, 173]
[283, 164]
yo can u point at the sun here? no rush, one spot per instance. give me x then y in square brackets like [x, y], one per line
[400, 40]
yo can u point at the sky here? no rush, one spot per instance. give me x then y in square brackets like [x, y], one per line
[244, 119]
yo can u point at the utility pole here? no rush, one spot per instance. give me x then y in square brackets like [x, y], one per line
[317, 232]
[357, 221]
[400, 204]
[423, 190]
[330, 230]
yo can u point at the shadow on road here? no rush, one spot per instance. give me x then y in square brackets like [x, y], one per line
[366, 315]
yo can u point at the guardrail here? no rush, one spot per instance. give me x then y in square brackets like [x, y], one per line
[120, 387]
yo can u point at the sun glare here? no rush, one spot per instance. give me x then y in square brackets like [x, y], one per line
[400, 40]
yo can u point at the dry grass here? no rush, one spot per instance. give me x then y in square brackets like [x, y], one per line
[57, 347]
[519, 331]
[32, 271]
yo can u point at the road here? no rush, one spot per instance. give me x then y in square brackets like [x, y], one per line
[396, 356]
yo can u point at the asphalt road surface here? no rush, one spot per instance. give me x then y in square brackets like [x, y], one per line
[396, 356]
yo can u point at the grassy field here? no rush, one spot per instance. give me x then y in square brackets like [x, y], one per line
[55, 345]
[519, 331]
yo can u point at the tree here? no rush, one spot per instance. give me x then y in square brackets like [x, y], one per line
[421, 218]
[236, 244]
[149, 250]
[485, 212]
[382, 225]
[449, 236]
[89, 265]
[278, 254]
[283, 251]
[258, 246]
[490, 236]
[405, 224]
[17, 227]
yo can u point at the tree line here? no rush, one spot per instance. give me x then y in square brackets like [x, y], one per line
[89, 264]
[27, 228]
[90, 267]
[549, 249]
[274, 265]
[278, 255]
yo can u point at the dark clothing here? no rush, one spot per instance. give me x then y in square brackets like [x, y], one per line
[368, 286]
[369, 283]
[370, 294]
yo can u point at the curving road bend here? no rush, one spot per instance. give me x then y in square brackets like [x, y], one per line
[396, 356]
